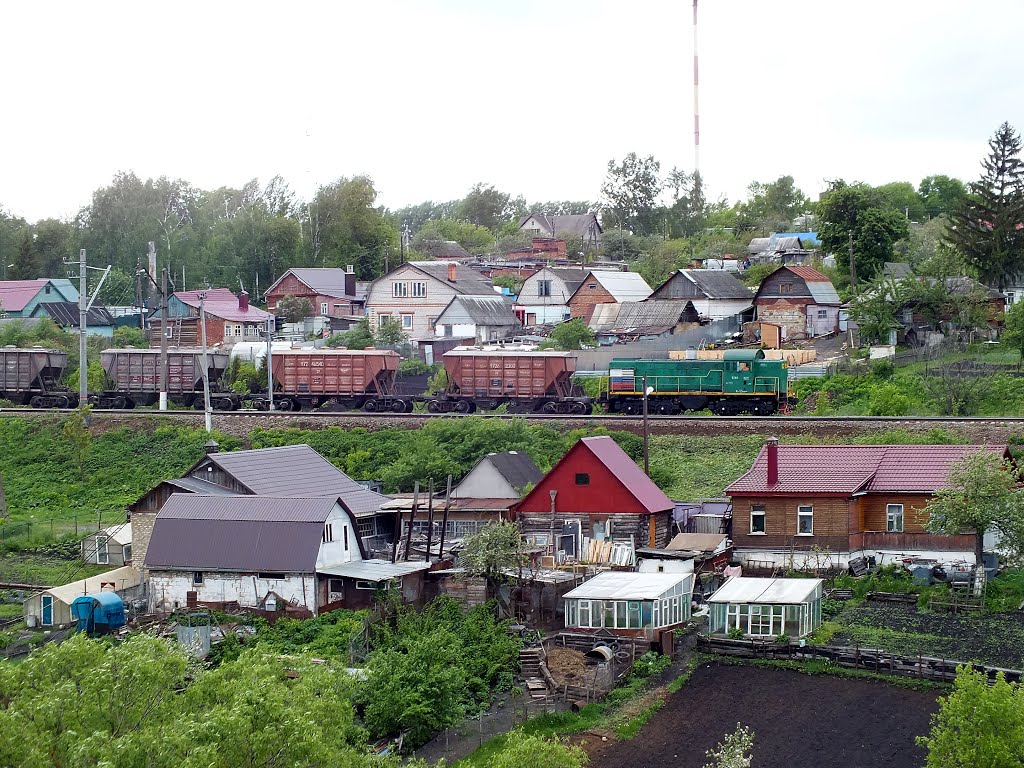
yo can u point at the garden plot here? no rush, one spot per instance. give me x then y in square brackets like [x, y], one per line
[992, 638]
[799, 721]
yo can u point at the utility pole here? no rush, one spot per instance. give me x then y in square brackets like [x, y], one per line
[853, 266]
[163, 335]
[271, 324]
[696, 109]
[206, 369]
[647, 451]
[83, 294]
[138, 295]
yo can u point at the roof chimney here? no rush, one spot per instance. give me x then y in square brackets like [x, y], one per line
[773, 460]
[243, 301]
[451, 272]
[211, 447]
[350, 270]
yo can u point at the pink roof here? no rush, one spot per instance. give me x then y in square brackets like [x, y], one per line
[809, 274]
[617, 461]
[222, 303]
[15, 294]
[847, 469]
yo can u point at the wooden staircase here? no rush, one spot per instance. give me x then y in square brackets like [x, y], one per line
[530, 661]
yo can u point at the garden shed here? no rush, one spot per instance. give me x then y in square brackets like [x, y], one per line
[627, 603]
[766, 607]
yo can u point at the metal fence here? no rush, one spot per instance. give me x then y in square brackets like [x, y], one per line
[49, 528]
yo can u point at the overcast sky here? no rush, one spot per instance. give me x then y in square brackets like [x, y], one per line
[534, 97]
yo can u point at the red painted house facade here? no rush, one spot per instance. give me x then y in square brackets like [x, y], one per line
[596, 493]
[803, 502]
[332, 292]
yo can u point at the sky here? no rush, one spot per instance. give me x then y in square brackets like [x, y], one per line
[429, 97]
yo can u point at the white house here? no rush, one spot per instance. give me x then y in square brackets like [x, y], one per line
[499, 476]
[415, 293]
[255, 551]
[714, 294]
[578, 230]
[484, 318]
[544, 297]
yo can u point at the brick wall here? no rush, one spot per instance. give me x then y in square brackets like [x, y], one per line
[585, 299]
[142, 532]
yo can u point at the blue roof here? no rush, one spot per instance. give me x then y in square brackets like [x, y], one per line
[106, 599]
[807, 238]
[105, 608]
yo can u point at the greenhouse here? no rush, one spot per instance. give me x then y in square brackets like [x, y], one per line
[630, 603]
[766, 607]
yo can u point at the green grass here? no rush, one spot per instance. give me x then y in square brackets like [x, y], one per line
[10, 610]
[1006, 591]
[26, 568]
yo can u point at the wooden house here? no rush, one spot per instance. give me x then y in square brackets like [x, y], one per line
[332, 292]
[581, 232]
[505, 475]
[799, 501]
[229, 319]
[715, 294]
[21, 298]
[800, 299]
[481, 318]
[594, 503]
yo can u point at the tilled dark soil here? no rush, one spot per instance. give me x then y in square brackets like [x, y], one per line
[799, 721]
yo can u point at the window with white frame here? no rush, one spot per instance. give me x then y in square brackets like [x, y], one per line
[197, 577]
[252, 330]
[805, 520]
[757, 519]
[894, 518]
[102, 552]
[822, 314]
[419, 290]
[399, 290]
[407, 322]
[325, 308]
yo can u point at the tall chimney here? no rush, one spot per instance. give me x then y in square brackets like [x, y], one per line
[350, 281]
[451, 272]
[773, 460]
[243, 301]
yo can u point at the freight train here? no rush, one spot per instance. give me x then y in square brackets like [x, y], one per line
[304, 379]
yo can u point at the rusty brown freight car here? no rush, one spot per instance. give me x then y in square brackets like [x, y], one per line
[133, 377]
[353, 378]
[526, 381]
[33, 377]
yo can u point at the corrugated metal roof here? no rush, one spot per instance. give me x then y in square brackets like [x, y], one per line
[467, 281]
[623, 286]
[809, 274]
[195, 485]
[492, 310]
[374, 570]
[516, 467]
[123, 578]
[847, 469]
[66, 313]
[15, 294]
[618, 462]
[119, 534]
[222, 303]
[629, 586]
[696, 542]
[717, 284]
[567, 224]
[628, 315]
[295, 470]
[238, 533]
[745, 589]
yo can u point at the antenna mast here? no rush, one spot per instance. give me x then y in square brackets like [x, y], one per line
[696, 109]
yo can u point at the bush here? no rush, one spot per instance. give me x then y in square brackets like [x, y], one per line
[413, 367]
[735, 633]
[888, 400]
[650, 664]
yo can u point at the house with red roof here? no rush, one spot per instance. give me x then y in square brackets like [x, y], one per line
[20, 298]
[851, 500]
[229, 319]
[800, 299]
[595, 504]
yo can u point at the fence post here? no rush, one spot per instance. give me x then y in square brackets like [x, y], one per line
[76, 525]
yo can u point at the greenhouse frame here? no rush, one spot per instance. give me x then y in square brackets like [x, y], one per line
[766, 607]
[630, 603]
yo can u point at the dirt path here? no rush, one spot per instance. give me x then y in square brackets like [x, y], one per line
[800, 721]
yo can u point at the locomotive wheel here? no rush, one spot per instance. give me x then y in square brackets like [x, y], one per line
[580, 409]
[463, 406]
[370, 406]
[118, 403]
[433, 406]
[761, 408]
[664, 409]
[632, 408]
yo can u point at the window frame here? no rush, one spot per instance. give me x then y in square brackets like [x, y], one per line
[271, 575]
[198, 578]
[758, 510]
[583, 479]
[399, 289]
[335, 581]
[892, 517]
[325, 308]
[800, 514]
[786, 288]
[328, 535]
[407, 316]
[419, 289]
[544, 288]
[102, 545]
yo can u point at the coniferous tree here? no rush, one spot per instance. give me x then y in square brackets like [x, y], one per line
[988, 225]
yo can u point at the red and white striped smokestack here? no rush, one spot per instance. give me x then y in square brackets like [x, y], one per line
[696, 103]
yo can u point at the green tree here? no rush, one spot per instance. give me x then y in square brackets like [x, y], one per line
[430, 238]
[569, 336]
[389, 332]
[128, 336]
[486, 207]
[855, 211]
[523, 750]
[688, 210]
[491, 551]
[630, 193]
[986, 227]
[358, 336]
[980, 498]
[977, 724]
[941, 194]
[513, 282]
[293, 309]
[772, 206]
[900, 197]
[1013, 333]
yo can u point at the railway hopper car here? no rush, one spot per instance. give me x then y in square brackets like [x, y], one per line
[35, 377]
[133, 378]
[742, 382]
[527, 381]
[309, 378]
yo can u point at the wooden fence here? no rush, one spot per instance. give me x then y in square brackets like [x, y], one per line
[871, 659]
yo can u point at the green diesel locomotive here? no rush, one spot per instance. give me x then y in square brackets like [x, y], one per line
[743, 382]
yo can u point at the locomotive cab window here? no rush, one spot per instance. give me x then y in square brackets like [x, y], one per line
[582, 478]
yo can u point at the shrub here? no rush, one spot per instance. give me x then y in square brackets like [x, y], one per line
[413, 367]
[735, 633]
[889, 400]
[650, 664]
